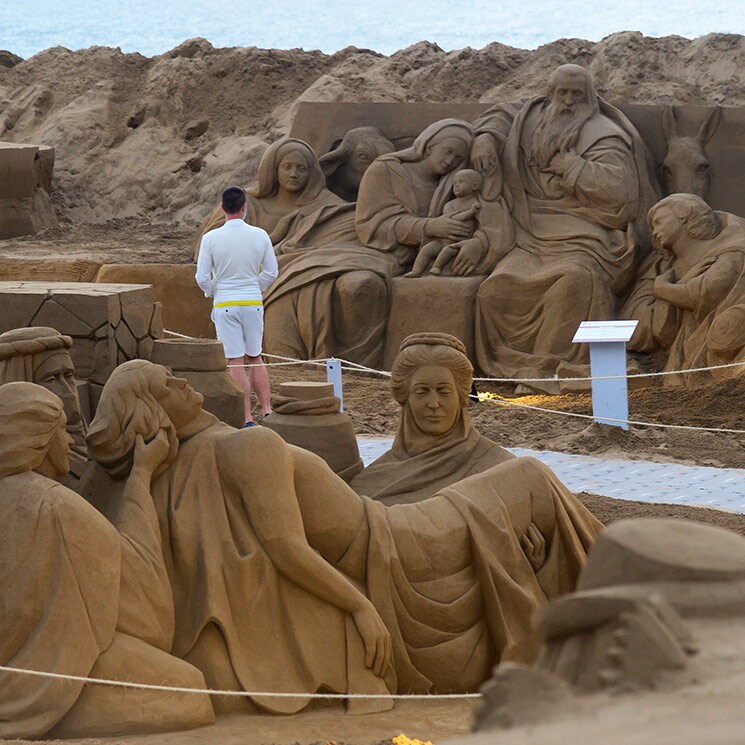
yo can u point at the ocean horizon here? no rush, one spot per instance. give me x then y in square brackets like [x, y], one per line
[152, 27]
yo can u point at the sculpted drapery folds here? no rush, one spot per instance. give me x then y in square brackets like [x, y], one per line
[284, 579]
[698, 308]
[577, 177]
[332, 295]
[79, 596]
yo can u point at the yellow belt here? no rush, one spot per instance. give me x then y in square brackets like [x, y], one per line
[231, 303]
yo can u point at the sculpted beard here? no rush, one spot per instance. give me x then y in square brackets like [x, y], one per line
[557, 131]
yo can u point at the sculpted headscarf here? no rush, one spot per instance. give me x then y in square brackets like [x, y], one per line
[418, 151]
[269, 165]
[18, 348]
[29, 417]
[418, 464]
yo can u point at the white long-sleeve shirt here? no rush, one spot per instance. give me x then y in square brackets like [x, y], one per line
[236, 263]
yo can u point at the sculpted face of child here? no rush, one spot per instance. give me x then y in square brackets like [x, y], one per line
[467, 182]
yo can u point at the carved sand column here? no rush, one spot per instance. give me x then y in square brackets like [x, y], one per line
[307, 415]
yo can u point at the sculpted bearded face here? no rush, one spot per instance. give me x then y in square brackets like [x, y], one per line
[569, 92]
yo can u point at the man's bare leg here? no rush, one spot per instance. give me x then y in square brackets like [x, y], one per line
[238, 373]
[260, 381]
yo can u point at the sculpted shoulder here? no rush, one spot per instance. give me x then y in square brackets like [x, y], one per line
[600, 127]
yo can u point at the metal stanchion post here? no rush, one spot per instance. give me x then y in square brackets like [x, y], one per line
[333, 376]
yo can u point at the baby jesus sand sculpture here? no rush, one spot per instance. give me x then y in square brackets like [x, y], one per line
[467, 185]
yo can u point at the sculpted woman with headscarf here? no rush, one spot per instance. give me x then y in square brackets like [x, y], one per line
[436, 443]
[285, 579]
[332, 295]
[79, 596]
[291, 185]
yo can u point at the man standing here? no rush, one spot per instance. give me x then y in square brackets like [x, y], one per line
[577, 174]
[236, 264]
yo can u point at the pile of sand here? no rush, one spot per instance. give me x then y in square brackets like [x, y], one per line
[156, 138]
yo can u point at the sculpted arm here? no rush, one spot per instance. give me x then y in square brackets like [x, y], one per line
[604, 178]
[260, 468]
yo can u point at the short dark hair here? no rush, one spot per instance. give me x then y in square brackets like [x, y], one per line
[233, 199]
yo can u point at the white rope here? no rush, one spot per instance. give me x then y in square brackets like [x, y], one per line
[356, 367]
[609, 377]
[507, 402]
[216, 692]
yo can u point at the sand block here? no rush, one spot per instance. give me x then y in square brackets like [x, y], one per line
[444, 304]
[185, 309]
[109, 324]
[49, 270]
[25, 182]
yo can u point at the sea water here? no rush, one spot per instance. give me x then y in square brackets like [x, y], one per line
[154, 26]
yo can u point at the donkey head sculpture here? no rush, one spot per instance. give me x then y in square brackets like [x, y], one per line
[686, 169]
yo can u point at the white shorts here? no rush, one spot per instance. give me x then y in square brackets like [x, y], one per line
[240, 328]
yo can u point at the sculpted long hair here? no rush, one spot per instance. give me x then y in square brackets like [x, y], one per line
[418, 350]
[129, 406]
[29, 418]
[700, 220]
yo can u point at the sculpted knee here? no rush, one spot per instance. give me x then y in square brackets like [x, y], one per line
[354, 284]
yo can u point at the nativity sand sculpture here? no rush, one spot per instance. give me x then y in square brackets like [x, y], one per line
[579, 183]
[79, 595]
[658, 606]
[284, 579]
[694, 304]
[40, 354]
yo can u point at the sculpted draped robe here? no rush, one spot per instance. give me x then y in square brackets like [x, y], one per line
[574, 252]
[79, 598]
[714, 284]
[447, 576]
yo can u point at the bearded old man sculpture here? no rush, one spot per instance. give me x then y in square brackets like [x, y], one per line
[78, 596]
[576, 172]
[284, 579]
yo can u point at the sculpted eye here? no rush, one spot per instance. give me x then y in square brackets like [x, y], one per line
[703, 168]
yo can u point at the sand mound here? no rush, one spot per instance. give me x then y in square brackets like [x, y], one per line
[155, 138]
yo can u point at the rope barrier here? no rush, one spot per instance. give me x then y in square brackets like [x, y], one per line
[507, 402]
[356, 367]
[217, 692]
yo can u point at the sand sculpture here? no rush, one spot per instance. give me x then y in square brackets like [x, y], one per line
[345, 164]
[291, 186]
[201, 362]
[93, 601]
[436, 443]
[467, 185]
[652, 594]
[41, 355]
[25, 184]
[577, 172]
[692, 299]
[108, 323]
[337, 590]
[686, 168]
[308, 415]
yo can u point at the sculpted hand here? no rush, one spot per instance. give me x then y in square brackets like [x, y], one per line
[147, 457]
[377, 639]
[469, 255]
[534, 545]
[559, 163]
[447, 227]
[484, 156]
